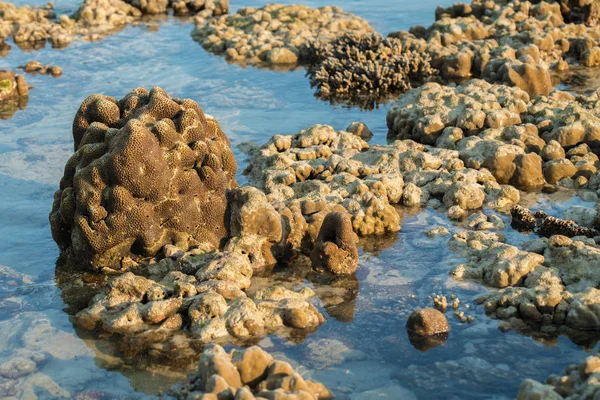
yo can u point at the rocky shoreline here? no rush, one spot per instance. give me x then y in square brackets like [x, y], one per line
[173, 249]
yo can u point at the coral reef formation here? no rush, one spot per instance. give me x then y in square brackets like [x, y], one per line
[514, 42]
[364, 68]
[335, 249]
[546, 225]
[31, 27]
[522, 142]
[275, 34]
[247, 373]
[148, 171]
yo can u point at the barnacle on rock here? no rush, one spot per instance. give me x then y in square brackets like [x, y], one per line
[148, 170]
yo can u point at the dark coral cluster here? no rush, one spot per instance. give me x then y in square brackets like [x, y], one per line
[365, 68]
[148, 170]
[546, 225]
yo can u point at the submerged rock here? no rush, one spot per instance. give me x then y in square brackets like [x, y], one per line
[276, 34]
[580, 382]
[247, 374]
[148, 170]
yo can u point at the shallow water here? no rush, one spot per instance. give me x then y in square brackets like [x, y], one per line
[362, 351]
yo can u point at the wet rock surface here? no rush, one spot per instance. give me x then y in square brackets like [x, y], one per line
[247, 374]
[274, 35]
[526, 143]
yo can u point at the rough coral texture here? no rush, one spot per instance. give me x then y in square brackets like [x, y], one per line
[310, 173]
[546, 225]
[275, 34]
[364, 69]
[501, 129]
[249, 374]
[549, 286]
[201, 8]
[32, 27]
[512, 42]
[203, 292]
[148, 170]
[336, 246]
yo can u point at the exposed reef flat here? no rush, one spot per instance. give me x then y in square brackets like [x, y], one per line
[276, 34]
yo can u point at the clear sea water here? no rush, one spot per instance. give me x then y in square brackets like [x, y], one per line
[362, 351]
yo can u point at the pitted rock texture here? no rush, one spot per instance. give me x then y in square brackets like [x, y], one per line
[513, 42]
[275, 34]
[202, 292]
[148, 170]
[309, 174]
[12, 86]
[427, 322]
[364, 69]
[247, 374]
[550, 286]
[522, 142]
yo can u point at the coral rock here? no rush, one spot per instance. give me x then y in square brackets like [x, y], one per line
[148, 170]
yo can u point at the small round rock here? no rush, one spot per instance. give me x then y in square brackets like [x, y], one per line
[427, 322]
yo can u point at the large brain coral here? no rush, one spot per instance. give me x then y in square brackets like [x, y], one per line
[148, 170]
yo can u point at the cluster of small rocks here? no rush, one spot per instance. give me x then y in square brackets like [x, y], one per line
[580, 382]
[318, 169]
[247, 374]
[36, 67]
[523, 142]
[551, 284]
[515, 42]
[364, 68]
[275, 34]
[205, 291]
[32, 27]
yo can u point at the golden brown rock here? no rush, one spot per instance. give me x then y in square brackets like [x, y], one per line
[427, 322]
[335, 249]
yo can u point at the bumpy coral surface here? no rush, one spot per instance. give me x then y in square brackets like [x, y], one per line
[148, 170]
[547, 225]
[247, 373]
[521, 141]
[365, 68]
[511, 42]
[275, 34]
